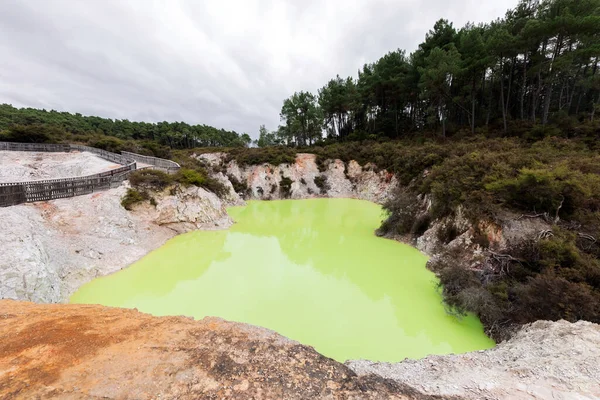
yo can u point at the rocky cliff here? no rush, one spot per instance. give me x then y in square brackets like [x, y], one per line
[334, 179]
[51, 248]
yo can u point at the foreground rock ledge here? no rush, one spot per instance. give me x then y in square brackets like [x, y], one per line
[83, 351]
[544, 360]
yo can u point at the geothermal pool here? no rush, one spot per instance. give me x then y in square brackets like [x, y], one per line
[312, 270]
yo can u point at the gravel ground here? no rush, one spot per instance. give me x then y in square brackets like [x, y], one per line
[17, 166]
[544, 360]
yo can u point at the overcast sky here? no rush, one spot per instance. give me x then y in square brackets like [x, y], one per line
[224, 63]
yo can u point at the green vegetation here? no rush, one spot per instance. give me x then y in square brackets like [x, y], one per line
[133, 196]
[189, 177]
[285, 186]
[150, 179]
[321, 183]
[269, 155]
[53, 125]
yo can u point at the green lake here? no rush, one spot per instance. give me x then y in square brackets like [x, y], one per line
[312, 270]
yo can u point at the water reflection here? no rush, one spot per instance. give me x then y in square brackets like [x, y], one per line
[311, 270]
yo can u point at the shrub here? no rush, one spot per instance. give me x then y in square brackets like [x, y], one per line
[189, 177]
[481, 239]
[132, 197]
[238, 186]
[150, 179]
[322, 163]
[108, 143]
[273, 155]
[402, 212]
[38, 133]
[549, 297]
[421, 225]
[554, 189]
[285, 187]
[321, 183]
[215, 186]
[447, 233]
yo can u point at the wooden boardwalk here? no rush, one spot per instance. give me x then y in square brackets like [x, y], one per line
[42, 190]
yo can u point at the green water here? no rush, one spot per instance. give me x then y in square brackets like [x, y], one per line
[311, 270]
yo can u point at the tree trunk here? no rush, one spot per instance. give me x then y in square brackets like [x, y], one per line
[510, 79]
[579, 102]
[524, 87]
[490, 99]
[473, 116]
[535, 96]
[570, 102]
[547, 97]
[443, 120]
[502, 92]
[396, 116]
[594, 106]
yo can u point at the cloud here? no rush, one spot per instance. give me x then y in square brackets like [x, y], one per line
[224, 63]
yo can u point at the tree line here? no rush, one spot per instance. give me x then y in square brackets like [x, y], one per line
[537, 66]
[176, 135]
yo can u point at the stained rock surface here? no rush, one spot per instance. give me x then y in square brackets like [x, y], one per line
[92, 352]
[335, 179]
[544, 360]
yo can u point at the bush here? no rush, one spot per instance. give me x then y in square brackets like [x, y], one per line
[215, 186]
[549, 297]
[189, 177]
[556, 190]
[447, 233]
[402, 212]
[132, 197]
[108, 143]
[285, 187]
[321, 183]
[239, 187]
[150, 179]
[273, 155]
[421, 225]
[38, 133]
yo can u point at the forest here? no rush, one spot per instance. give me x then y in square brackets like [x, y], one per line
[177, 135]
[536, 67]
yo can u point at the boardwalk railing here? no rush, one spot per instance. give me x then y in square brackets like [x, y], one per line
[50, 189]
[107, 155]
[157, 163]
[45, 147]
[124, 158]
[25, 192]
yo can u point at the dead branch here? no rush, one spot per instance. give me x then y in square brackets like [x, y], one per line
[500, 263]
[544, 216]
[586, 236]
[556, 217]
[592, 240]
[545, 234]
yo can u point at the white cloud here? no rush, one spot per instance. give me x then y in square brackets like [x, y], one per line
[224, 63]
